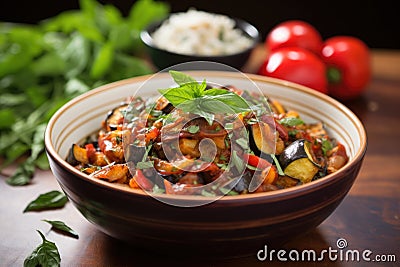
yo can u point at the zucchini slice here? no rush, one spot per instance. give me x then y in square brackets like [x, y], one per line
[297, 161]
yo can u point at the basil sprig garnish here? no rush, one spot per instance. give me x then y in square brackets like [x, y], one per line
[191, 96]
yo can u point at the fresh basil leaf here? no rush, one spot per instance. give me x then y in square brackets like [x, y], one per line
[38, 94]
[63, 228]
[144, 12]
[75, 87]
[9, 99]
[49, 64]
[291, 121]
[7, 118]
[76, 55]
[45, 255]
[208, 116]
[25, 43]
[121, 36]
[49, 200]
[38, 141]
[14, 152]
[126, 66]
[88, 7]
[216, 91]
[177, 95]
[234, 101]
[42, 161]
[23, 174]
[181, 78]
[102, 61]
[210, 105]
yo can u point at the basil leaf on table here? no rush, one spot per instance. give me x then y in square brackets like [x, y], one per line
[50, 200]
[46, 254]
[63, 228]
[23, 174]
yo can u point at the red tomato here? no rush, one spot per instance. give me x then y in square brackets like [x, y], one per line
[349, 66]
[294, 33]
[296, 65]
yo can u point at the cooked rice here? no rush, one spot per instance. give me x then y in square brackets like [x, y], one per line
[200, 33]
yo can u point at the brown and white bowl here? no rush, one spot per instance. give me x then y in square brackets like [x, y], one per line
[229, 227]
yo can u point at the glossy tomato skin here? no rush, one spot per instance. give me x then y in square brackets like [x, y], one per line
[349, 57]
[297, 65]
[294, 33]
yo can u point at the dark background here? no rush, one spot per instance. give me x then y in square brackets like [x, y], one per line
[375, 22]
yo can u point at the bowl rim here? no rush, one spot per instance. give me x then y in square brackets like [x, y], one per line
[147, 39]
[271, 196]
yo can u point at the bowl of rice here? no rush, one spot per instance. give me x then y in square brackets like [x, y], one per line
[200, 36]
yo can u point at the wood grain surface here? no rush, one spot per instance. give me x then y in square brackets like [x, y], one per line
[368, 218]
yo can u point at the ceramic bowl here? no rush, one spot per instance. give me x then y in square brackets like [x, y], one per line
[162, 58]
[228, 227]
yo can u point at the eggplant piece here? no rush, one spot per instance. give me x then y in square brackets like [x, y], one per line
[135, 153]
[262, 139]
[77, 155]
[164, 105]
[242, 186]
[168, 108]
[116, 117]
[297, 161]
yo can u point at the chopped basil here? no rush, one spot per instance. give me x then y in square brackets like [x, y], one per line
[229, 126]
[293, 133]
[222, 166]
[228, 192]
[207, 194]
[193, 129]
[158, 190]
[243, 142]
[144, 165]
[252, 168]
[326, 145]
[291, 121]
[278, 165]
[237, 161]
[155, 112]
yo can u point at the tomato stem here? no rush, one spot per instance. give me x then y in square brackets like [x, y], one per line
[334, 75]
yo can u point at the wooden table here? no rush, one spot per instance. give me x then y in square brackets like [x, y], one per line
[368, 218]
